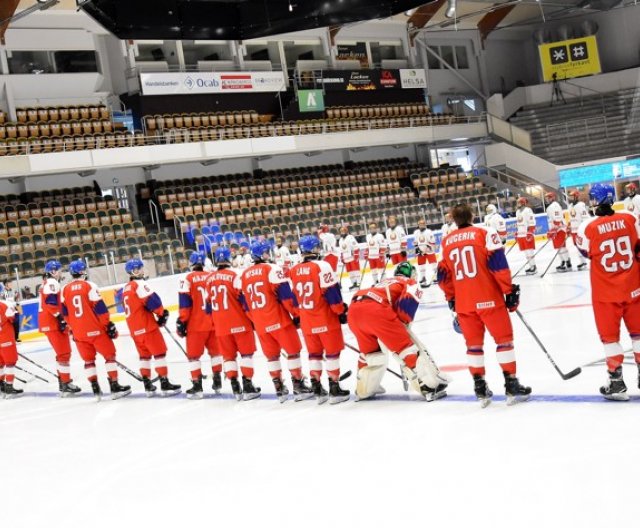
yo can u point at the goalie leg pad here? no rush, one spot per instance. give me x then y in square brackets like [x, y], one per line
[370, 376]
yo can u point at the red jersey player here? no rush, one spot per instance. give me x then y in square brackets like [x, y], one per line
[52, 324]
[611, 241]
[141, 303]
[475, 278]
[195, 323]
[272, 306]
[234, 331]
[322, 312]
[88, 317]
[8, 349]
[377, 317]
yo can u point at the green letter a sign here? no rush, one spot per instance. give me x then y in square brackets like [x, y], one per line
[311, 100]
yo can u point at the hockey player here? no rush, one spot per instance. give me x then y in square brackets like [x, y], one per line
[282, 255]
[525, 234]
[448, 225]
[494, 220]
[234, 331]
[476, 280]
[578, 213]
[329, 246]
[375, 252]
[141, 304]
[274, 311]
[632, 200]
[612, 241]
[195, 323]
[242, 260]
[425, 244]
[396, 241]
[52, 324]
[557, 231]
[93, 332]
[322, 311]
[348, 247]
[8, 349]
[296, 255]
[377, 317]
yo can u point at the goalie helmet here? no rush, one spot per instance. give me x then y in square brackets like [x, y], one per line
[405, 269]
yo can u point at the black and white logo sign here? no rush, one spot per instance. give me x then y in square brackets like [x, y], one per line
[579, 51]
[558, 54]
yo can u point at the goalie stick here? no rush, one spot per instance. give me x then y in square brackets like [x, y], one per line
[351, 347]
[564, 376]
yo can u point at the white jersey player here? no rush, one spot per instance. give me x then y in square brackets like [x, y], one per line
[632, 201]
[494, 220]
[557, 232]
[242, 259]
[281, 254]
[376, 246]
[329, 246]
[396, 240]
[296, 255]
[448, 226]
[348, 247]
[526, 233]
[424, 242]
[578, 213]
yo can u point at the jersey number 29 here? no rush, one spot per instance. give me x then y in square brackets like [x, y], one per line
[620, 247]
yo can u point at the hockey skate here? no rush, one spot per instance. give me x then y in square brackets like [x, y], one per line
[354, 286]
[149, 387]
[336, 393]
[195, 392]
[569, 267]
[319, 391]
[281, 390]
[167, 388]
[424, 283]
[10, 392]
[515, 392]
[217, 382]
[118, 391]
[97, 391]
[531, 271]
[562, 267]
[615, 389]
[250, 392]
[236, 389]
[434, 394]
[67, 389]
[482, 391]
[1, 388]
[581, 266]
[300, 390]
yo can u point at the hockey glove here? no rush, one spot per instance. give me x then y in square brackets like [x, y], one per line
[112, 331]
[418, 252]
[343, 316]
[181, 328]
[296, 321]
[452, 305]
[512, 300]
[162, 319]
[62, 324]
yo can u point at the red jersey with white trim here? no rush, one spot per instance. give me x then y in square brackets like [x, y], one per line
[84, 309]
[269, 297]
[140, 303]
[193, 297]
[401, 293]
[317, 290]
[612, 244]
[7, 315]
[474, 269]
[50, 305]
[228, 305]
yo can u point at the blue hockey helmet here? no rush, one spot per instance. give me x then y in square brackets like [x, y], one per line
[258, 249]
[52, 266]
[222, 255]
[602, 193]
[309, 244]
[197, 258]
[78, 268]
[133, 266]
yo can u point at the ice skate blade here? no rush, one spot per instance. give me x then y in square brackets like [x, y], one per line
[620, 396]
[119, 395]
[303, 396]
[13, 396]
[196, 396]
[484, 402]
[248, 396]
[513, 400]
[150, 394]
[238, 396]
[433, 396]
[283, 398]
[334, 400]
[97, 398]
[68, 394]
[322, 399]
[169, 393]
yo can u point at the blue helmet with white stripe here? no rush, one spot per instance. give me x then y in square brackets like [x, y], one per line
[602, 194]
[259, 249]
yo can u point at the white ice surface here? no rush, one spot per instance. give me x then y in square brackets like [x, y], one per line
[555, 461]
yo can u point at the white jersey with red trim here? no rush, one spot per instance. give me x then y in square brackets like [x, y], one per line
[448, 228]
[395, 239]
[633, 205]
[425, 241]
[282, 256]
[496, 222]
[525, 222]
[329, 243]
[376, 245]
[578, 213]
[555, 216]
[348, 246]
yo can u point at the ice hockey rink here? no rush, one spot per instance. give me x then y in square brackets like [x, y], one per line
[566, 458]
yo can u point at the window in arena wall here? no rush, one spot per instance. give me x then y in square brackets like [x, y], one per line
[462, 61]
[433, 62]
[37, 62]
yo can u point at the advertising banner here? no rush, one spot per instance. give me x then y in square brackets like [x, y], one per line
[352, 80]
[310, 100]
[415, 78]
[357, 51]
[569, 58]
[182, 83]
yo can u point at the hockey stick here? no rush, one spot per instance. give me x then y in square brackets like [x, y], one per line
[549, 266]
[534, 256]
[134, 374]
[384, 271]
[509, 250]
[32, 374]
[38, 365]
[21, 380]
[204, 376]
[565, 377]
[350, 347]
[442, 378]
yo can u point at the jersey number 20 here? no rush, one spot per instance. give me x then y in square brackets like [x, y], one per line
[464, 262]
